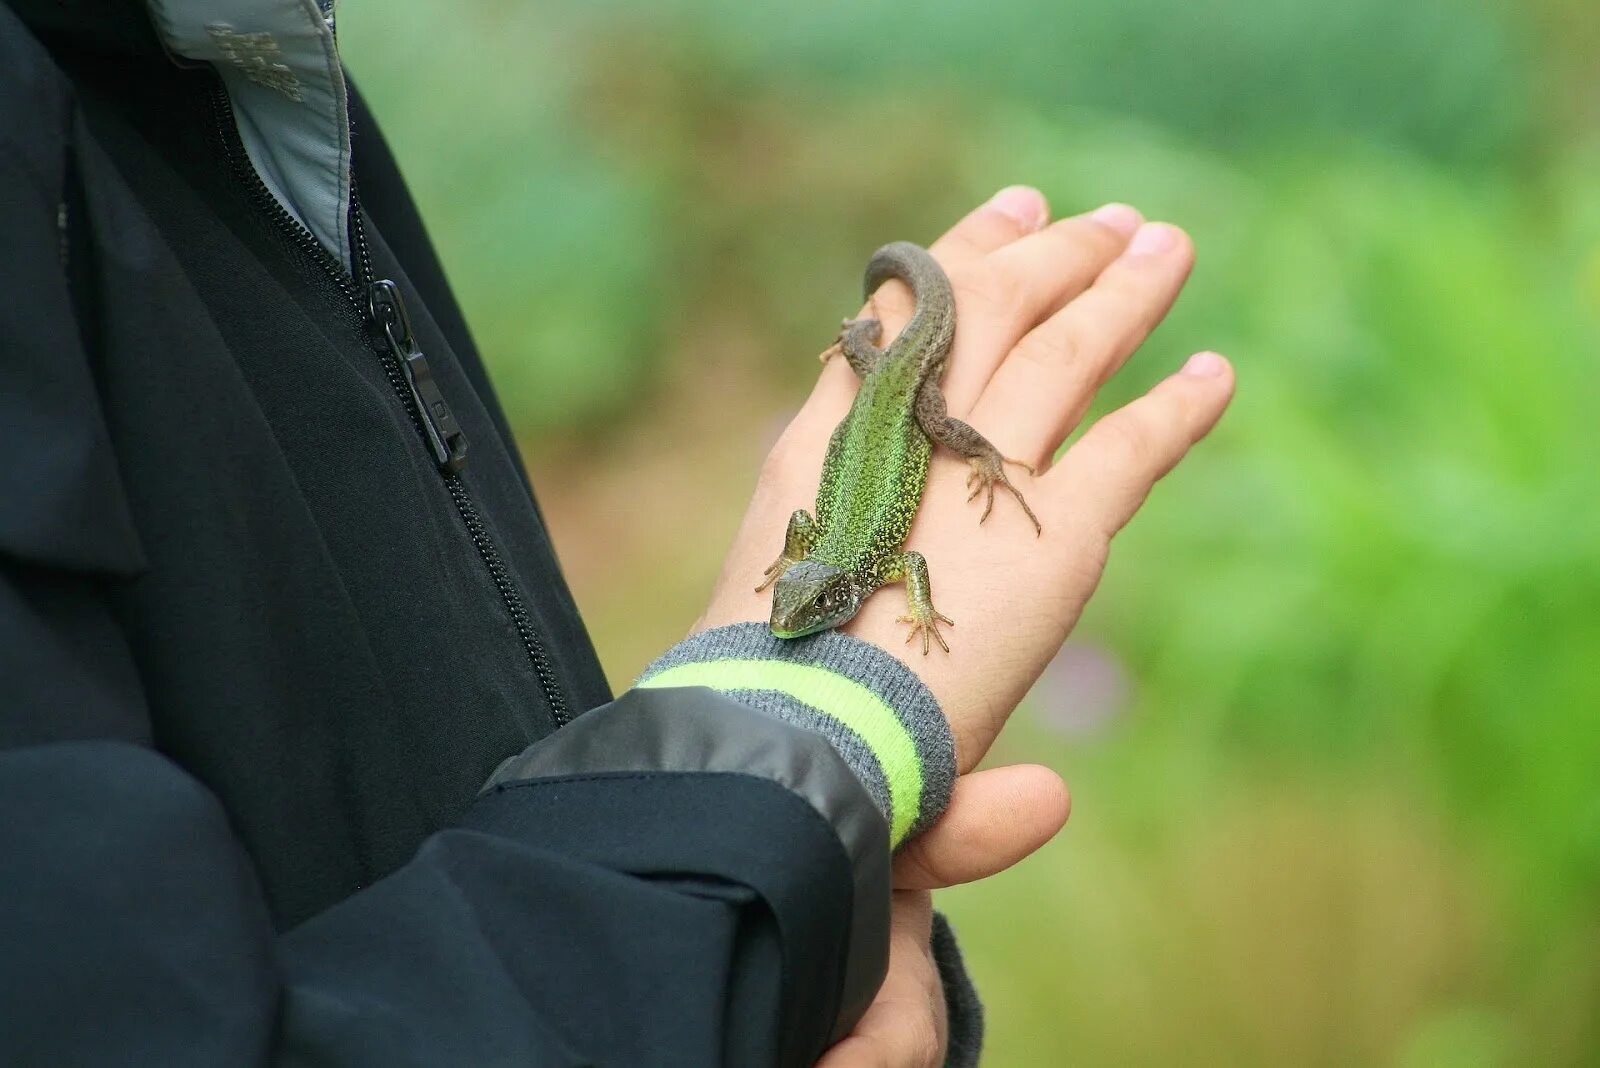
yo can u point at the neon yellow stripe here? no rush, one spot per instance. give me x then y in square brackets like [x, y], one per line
[847, 701]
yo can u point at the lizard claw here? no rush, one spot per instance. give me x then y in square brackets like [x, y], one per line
[1025, 465]
[988, 472]
[926, 624]
[775, 572]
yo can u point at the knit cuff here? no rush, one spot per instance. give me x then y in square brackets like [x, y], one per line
[963, 1008]
[877, 714]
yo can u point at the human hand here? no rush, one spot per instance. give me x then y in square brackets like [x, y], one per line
[996, 817]
[907, 1025]
[1045, 315]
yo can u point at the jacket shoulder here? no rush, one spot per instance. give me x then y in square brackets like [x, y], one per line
[35, 99]
[58, 474]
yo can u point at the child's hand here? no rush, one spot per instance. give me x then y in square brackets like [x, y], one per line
[996, 817]
[1045, 315]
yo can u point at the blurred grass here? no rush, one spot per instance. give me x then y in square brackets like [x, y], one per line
[1348, 811]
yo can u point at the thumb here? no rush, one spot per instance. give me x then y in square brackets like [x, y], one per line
[996, 818]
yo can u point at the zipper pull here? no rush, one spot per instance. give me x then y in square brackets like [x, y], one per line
[445, 438]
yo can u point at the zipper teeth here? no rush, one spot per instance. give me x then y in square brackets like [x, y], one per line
[261, 196]
[306, 242]
[508, 592]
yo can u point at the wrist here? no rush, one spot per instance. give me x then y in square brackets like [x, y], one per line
[875, 712]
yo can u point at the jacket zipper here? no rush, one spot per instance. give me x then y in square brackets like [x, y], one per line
[379, 312]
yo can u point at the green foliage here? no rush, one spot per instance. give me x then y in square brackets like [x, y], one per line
[1382, 574]
[1350, 815]
[1445, 76]
[556, 256]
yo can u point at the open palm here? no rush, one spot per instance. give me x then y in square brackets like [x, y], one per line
[1045, 315]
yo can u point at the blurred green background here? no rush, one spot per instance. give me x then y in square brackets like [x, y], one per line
[1333, 723]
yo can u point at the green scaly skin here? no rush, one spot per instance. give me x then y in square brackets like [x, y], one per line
[877, 466]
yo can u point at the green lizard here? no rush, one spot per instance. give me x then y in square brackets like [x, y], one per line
[877, 465]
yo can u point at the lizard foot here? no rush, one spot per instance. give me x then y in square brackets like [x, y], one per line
[797, 542]
[989, 471]
[837, 348]
[925, 621]
[774, 572]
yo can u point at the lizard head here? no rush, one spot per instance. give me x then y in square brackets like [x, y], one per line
[813, 596]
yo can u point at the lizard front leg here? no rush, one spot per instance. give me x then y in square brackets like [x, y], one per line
[858, 343]
[912, 569]
[802, 534]
[988, 468]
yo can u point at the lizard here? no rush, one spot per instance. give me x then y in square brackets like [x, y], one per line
[876, 466]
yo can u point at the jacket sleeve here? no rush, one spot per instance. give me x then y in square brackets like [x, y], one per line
[686, 917]
[675, 878]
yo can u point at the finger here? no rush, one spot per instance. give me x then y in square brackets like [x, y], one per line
[906, 1025]
[1004, 295]
[1010, 214]
[996, 818]
[1014, 212]
[1109, 472]
[1041, 390]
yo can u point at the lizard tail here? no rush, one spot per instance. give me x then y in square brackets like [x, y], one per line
[933, 325]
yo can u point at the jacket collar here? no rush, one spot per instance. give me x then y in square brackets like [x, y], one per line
[280, 64]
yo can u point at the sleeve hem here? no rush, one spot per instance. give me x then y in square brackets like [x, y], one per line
[694, 731]
[874, 711]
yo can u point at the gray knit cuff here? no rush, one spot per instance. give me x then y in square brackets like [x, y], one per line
[962, 1005]
[875, 712]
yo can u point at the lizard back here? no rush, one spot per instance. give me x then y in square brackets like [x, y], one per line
[877, 461]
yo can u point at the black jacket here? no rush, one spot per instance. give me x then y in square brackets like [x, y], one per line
[259, 654]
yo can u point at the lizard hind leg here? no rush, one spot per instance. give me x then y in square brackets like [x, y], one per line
[858, 344]
[987, 473]
[988, 465]
[797, 542]
[912, 569]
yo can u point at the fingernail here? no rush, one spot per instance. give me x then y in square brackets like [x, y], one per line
[1119, 217]
[1023, 203]
[1205, 365]
[1154, 239]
